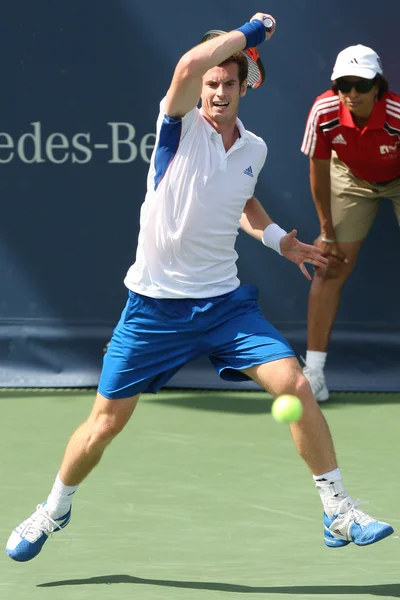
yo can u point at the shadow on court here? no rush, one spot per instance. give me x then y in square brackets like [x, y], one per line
[259, 402]
[389, 590]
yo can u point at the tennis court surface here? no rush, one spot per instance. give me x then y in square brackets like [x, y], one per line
[202, 496]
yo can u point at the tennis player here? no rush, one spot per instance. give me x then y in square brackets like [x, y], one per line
[185, 299]
[352, 137]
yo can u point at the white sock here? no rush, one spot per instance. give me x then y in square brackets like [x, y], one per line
[315, 359]
[331, 490]
[60, 498]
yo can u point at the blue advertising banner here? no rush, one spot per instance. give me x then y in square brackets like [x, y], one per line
[81, 86]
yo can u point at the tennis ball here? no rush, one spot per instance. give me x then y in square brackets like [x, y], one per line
[287, 409]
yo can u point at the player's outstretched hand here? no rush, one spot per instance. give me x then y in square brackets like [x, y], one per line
[261, 16]
[299, 253]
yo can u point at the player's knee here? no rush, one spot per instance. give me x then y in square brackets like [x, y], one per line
[303, 388]
[104, 429]
[296, 383]
[304, 393]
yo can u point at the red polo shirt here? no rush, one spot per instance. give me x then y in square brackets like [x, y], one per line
[371, 153]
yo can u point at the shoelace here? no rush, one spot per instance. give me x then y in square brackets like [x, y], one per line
[352, 513]
[41, 523]
[360, 516]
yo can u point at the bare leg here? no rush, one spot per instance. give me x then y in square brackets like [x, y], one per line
[311, 434]
[343, 522]
[83, 452]
[87, 444]
[324, 297]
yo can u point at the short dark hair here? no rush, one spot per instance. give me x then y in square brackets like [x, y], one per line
[380, 81]
[241, 61]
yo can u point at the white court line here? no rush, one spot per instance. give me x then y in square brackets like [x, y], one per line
[285, 514]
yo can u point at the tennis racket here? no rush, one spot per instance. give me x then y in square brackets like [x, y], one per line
[256, 74]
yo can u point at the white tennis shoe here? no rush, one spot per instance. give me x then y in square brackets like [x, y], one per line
[350, 524]
[26, 541]
[317, 381]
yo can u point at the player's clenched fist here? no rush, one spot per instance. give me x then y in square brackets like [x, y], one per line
[269, 22]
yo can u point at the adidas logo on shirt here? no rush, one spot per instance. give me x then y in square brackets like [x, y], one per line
[249, 172]
[339, 139]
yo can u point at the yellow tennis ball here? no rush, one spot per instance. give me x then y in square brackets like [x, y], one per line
[287, 409]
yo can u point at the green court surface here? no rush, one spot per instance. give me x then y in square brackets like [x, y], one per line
[202, 496]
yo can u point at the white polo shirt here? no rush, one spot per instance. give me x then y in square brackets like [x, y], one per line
[196, 193]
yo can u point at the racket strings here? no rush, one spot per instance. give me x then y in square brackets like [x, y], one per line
[256, 73]
[254, 77]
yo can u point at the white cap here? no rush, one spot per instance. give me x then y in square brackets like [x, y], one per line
[359, 61]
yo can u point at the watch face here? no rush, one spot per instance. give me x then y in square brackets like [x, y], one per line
[268, 23]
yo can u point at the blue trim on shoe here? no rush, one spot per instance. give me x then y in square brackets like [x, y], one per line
[364, 536]
[26, 550]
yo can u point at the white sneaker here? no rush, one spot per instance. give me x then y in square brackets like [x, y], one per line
[27, 539]
[316, 378]
[351, 524]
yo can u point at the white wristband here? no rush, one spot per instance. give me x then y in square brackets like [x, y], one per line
[272, 236]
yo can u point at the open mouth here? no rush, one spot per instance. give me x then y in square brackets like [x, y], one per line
[220, 104]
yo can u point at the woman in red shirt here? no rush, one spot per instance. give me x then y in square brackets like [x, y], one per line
[352, 137]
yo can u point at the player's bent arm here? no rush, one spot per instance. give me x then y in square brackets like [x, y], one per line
[185, 89]
[254, 219]
[320, 184]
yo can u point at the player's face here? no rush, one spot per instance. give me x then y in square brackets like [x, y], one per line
[221, 93]
[359, 103]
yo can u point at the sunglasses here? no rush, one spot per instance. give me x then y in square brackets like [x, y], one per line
[362, 86]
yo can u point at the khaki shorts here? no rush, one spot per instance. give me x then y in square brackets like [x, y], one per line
[355, 202]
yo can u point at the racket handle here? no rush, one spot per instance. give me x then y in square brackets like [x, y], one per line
[268, 23]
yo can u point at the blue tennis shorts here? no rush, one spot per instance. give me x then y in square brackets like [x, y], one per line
[156, 337]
